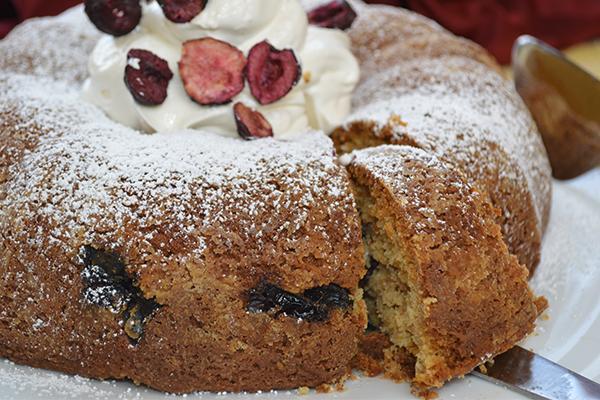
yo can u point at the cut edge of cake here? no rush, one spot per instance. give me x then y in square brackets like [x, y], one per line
[443, 286]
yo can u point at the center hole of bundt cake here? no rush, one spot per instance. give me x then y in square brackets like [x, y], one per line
[391, 300]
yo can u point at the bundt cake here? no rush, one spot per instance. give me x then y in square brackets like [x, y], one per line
[228, 251]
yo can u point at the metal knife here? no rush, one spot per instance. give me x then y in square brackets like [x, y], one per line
[538, 378]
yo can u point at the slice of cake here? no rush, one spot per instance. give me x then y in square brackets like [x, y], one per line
[442, 285]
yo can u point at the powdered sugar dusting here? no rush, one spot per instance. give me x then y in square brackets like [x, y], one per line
[434, 199]
[385, 163]
[178, 208]
[469, 116]
[575, 220]
[452, 103]
[89, 176]
[54, 46]
[25, 383]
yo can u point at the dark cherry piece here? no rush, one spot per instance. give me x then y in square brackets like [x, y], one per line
[147, 77]
[329, 296]
[212, 71]
[314, 305]
[115, 17]
[337, 14]
[271, 73]
[371, 267]
[251, 124]
[107, 284]
[181, 11]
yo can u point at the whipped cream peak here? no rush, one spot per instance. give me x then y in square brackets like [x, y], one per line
[321, 100]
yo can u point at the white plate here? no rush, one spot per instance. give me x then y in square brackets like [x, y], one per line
[569, 276]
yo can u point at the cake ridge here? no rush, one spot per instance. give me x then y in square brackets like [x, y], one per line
[468, 115]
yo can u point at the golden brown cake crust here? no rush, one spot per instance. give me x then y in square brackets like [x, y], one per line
[67, 43]
[198, 222]
[450, 100]
[370, 357]
[384, 36]
[472, 296]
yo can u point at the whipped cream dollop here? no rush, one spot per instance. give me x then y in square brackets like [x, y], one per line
[321, 99]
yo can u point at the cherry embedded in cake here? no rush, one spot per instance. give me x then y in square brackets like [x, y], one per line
[313, 305]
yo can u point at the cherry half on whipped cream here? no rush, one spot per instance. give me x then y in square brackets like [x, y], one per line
[207, 56]
[212, 71]
[181, 11]
[147, 77]
[251, 124]
[271, 73]
[337, 14]
[115, 17]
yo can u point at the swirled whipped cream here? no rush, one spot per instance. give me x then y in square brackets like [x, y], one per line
[321, 100]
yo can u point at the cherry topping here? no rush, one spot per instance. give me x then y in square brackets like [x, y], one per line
[271, 73]
[212, 71]
[115, 17]
[337, 14]
[251, 124]
[180, 11]
[147, 77]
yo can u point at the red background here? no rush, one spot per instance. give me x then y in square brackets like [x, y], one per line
[493, 23]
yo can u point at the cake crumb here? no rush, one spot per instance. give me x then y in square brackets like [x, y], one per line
[545, 317]
[395, 119]
[423, 393]
[303, 390]
[324, 388]
[307, 76]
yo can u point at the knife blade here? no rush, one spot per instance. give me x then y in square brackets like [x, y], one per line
[538, 378]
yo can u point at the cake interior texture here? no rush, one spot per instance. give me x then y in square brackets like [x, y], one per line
[392, 302]
[447, 298]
